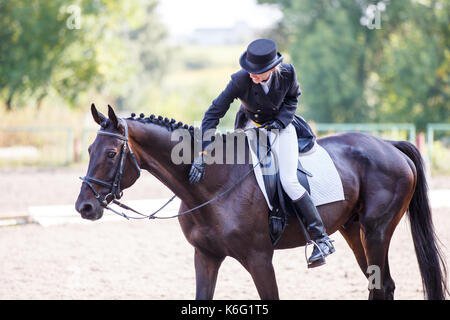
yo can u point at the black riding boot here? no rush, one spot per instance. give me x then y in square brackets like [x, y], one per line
[308, 211]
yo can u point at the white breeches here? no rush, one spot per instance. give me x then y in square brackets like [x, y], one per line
[285, 146]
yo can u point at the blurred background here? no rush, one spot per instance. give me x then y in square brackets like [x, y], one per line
[358, 62]
[379, 66]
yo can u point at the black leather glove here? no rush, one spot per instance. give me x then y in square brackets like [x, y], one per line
[275, 125]
[198, 168]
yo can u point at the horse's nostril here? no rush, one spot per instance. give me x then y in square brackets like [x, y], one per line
[86, 209]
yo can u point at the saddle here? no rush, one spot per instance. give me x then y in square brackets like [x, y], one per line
[282, 205]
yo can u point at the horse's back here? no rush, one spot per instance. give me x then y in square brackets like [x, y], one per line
[370, 166]
[375, 166]
[364, 151]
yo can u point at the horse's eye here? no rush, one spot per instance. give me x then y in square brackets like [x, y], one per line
[111, 154]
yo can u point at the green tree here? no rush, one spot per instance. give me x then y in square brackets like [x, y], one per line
[146, 46]
[31, 41]
[41, 52]
[413, 75]
[349, 72]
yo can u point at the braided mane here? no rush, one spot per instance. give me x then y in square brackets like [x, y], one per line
[170, 124]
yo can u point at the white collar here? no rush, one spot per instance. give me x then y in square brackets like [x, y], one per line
[266, 84]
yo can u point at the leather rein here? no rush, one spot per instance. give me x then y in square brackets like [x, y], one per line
[116, 193]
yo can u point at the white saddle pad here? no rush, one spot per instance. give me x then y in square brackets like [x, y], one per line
[325, 184]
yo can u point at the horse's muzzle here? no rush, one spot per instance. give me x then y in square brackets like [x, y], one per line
[89, 210]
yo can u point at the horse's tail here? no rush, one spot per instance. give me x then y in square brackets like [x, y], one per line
[429, 256]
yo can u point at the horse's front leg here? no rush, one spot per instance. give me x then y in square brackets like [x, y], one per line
[260, 267]
[206, 269]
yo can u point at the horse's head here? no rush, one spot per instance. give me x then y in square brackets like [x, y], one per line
[112, 166]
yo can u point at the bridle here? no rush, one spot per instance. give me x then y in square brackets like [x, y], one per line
[115, 191]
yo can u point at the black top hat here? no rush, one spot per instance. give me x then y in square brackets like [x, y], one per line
[261, 56]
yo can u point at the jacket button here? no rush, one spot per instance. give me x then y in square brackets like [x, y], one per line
[256, 116]
[258, 110]
[274, 109]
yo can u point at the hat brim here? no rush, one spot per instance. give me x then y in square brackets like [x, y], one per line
[258, 68]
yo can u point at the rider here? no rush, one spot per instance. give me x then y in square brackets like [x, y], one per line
[268, 91]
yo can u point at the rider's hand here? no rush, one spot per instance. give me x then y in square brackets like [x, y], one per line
[197, 169]
[275, 125]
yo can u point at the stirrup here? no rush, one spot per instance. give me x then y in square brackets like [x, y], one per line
[329, 244]
[332, 248]
[316, 263]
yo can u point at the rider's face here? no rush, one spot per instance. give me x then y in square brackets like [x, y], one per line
[257, 78]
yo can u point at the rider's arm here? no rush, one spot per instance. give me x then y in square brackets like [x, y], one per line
[218, 109]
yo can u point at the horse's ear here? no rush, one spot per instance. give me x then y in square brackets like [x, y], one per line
[112, 116]
[98, 117]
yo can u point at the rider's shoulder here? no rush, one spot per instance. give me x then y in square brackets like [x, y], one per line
[241, 77]
[286, 68]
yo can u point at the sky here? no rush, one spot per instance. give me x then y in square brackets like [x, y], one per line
[183, 16]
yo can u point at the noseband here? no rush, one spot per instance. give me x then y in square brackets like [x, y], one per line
[114, 192]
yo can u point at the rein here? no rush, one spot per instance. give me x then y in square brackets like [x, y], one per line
[116, 193]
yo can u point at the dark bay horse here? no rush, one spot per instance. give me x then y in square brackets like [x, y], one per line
[381, 179]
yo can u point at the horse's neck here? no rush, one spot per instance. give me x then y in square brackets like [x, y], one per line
[152, 145]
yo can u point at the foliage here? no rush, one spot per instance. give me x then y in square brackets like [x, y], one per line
[351, 73]
[347, 72]
[41, 54]
[196, 76]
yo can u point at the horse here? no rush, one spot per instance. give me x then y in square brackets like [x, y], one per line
[381, 180]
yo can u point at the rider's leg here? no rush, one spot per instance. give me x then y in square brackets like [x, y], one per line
[316, 229]
[286, 146]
